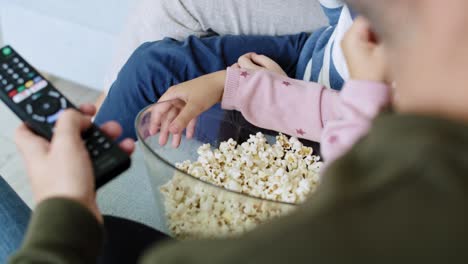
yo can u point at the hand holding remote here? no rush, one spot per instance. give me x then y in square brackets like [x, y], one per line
[39, 104]
[72, 175]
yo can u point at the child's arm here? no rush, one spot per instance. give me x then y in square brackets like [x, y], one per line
[267, 99]
[273, 101]
[361, 101]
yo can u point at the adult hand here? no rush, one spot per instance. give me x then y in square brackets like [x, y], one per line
[254, 61]
[180, 106]
[364, 54]
[62, 168]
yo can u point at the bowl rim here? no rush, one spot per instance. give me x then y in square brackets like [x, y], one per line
[145, 145]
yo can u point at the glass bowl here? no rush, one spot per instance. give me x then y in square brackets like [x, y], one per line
[188, 207]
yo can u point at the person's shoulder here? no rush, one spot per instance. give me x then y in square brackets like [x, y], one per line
[405, 148]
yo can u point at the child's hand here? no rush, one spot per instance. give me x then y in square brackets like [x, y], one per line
[364, 54]
[253, 61]
[187, 101]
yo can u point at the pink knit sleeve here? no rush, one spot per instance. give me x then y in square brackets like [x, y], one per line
[304, 109]
[279, 103]
[360, 102]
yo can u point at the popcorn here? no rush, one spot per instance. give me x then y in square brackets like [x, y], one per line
[284, 172]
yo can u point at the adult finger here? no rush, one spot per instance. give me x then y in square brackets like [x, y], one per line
[69, 127]
[31, 146]
[88, 109]
[112, 129]
[128, 146]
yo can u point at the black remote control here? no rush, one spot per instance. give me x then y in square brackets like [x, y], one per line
[35, 101]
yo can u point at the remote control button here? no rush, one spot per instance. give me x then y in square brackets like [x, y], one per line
[90, 146]
[101, 140]
[12, 93]
[107, 146]
[4, 82]
[39, 118]
[46, 106]
[15, 60]
[29, 109]
[63, 103]
[21, 88]
[96, 133]
[10, 71]
[26, 70]
[18, 98]
[54, 94]
[20, 81]
[53, 118]
[29, 84]
[1, 77]
[36, 96]
[9, 87]
[39, 86]
[7, 51]
[15, 76]
[20, 65]
[5, 66]
[95, 153]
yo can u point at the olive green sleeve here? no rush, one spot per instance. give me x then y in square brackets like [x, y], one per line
[61, 231]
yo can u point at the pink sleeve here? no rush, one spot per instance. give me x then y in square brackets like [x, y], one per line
[305, 109]
[272, 101]
[360, 103]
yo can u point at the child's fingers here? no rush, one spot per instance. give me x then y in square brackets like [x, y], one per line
[268, 63]
[176, 139]
[264, 61]
[246, 62]
[191, 128]
[190, 131]
[166, 122]
[247, 56]
[189, 112]
[359, 34]
[157, 112]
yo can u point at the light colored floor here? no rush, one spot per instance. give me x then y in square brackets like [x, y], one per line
[11, 165]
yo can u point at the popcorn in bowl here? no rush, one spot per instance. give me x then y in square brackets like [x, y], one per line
[280, 176]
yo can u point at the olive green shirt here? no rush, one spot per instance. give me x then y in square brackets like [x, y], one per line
[399, 196]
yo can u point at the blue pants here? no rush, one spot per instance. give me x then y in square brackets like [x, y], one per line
[14, 218]
[155, 67]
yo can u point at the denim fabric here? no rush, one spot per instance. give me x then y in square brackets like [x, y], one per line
[14, 218]
[155, 67]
